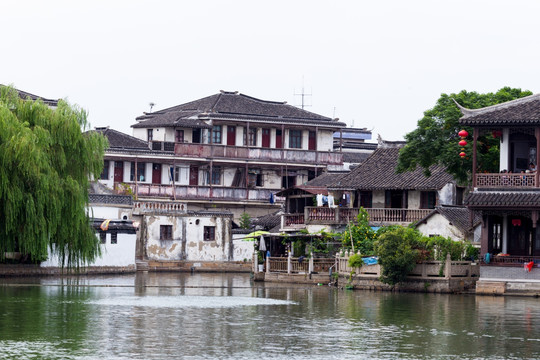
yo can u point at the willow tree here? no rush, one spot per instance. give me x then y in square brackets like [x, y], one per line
[46, 162]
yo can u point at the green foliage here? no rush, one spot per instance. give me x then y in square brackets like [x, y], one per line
[322, 242]
[356, 261]
[245, 221]
[398, 251]
[471, 252]
[46, 162]
[363, 236]
[439, 247]
[435, 140]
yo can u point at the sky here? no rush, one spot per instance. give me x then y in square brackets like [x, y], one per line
[376, 64]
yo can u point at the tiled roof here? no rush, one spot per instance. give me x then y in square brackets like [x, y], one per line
[459, 216]
[120, 140]
[232, 105]
[355, 157]
[110, 199]
[378, 173]
[186, 119]
[508, 199]
[25, 95]
[523, 111]
[325, 179]
[267, 222]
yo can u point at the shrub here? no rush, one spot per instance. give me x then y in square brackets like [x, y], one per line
[356, 261]
[245, 221]
[363, 236]
[398, 250]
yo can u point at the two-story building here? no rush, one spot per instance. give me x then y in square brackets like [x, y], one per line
[508, 201]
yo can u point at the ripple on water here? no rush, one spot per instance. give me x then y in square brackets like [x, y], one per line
[188, 301]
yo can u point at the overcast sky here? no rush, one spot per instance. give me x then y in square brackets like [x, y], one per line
[374, 64]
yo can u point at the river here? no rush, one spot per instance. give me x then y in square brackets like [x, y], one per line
[226, 316]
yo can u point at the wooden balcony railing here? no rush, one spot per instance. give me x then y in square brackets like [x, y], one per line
[291, 220]
[526, 180]
[340, 215]
[185, 192]
[290, 156]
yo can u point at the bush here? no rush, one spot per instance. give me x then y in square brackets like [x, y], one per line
[356, 261]
[398, 251]
[363, 236]
[245, 221]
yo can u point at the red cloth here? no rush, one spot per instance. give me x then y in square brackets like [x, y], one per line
[529, 265]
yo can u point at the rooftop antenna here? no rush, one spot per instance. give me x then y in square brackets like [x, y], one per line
[303, 95]
[151, 106]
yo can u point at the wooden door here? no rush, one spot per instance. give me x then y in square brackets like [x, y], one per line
[265, 138]
[193, 175]
[312, 141]
[231, 135]
[196, 136]
[279, 139]
[156, 173]
[118, 171]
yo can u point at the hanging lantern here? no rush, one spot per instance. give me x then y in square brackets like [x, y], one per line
[463, 134]
[462, 154]
[462, 143]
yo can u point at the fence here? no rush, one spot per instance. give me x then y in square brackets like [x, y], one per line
[425, 270]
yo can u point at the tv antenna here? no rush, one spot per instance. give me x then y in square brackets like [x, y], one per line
[151, 105]
[303, 95]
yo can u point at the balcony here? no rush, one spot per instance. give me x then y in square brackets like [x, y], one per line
[210, 151]
[527, 180]
[184, 192]
[336, 216]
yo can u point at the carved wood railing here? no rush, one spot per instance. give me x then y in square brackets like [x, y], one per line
[506, 180]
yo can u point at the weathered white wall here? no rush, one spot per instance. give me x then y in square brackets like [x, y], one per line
[378, 198]
[140, 133]
[242, 249]
[120, 254]
[439, 225]
[447, 195]
[158, 249]
[325, 140]
[413, 199]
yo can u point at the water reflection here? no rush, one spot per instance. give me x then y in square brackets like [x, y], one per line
[158, 315]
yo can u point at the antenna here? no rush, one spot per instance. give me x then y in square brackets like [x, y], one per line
[151, 105]
[303, 95]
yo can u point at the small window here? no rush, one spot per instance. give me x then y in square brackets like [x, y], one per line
[295, 139]
[216, 134]
[150, 133]
[428, 199]
[179, 138]
[252, 137]
[140, 171]
[215, 177]
[165, 232]
[105, 173]
[260, 180]
[114, 238]
[103, 237]
[209, 233]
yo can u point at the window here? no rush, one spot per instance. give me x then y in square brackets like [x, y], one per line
[252, 136]
[209, 233]
[140, 171]
[177, 174]
[103, 237]
[216, 134]
[105, 173]
[150, 134]
[215, 178]
[179, 138]
[114, 238]
[295, 139]
[165, 232]
[428, 199]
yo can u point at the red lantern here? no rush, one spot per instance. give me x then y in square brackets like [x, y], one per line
[463, 134]
[462, 143]
[462, 154]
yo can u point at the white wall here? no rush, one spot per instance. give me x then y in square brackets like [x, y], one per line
[242, 249]
[121, 254]
[158, 249]
[413, 199]
[325, 140]
[447, 195]
[439, 225]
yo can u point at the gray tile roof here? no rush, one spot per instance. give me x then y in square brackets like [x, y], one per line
[119, 140]
[523, 111]
[325, 179]
[232, 106]
[267, 222]
[378, 173]
[120, 226]
[459, 216]
[26, 95]
[355, 157]
[506, 199]
[110, 199]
